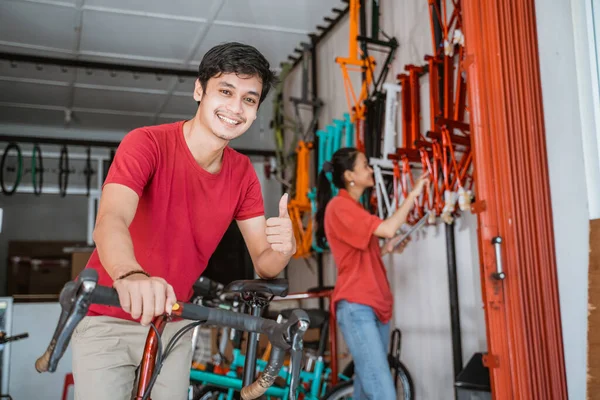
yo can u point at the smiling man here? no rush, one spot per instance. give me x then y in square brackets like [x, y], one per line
[168, 198]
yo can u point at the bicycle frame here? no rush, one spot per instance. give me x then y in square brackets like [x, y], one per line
[232, 382]
[391, 108]
[299, 207]
[356, 104]
[382, 167]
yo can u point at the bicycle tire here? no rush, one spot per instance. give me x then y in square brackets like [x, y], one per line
[88, 172]
[9, 147]
[399, 370]
[210, 392]
[63, 171]
[340, 391]
[37, 170]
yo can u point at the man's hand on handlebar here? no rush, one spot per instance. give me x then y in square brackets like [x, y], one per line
[145, 297]
[136, 290]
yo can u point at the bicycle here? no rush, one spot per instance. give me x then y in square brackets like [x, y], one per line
[76, 297]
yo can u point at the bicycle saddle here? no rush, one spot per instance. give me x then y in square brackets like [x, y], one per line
[276, 287]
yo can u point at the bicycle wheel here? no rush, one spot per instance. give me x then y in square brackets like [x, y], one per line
[341, 391]
[37, 170]
[19, 169]
[88, 172]
[404, 385]
[63, 172]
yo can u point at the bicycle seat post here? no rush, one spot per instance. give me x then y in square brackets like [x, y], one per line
[258, 304]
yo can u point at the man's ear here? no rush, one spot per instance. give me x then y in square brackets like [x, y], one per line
[198, 91]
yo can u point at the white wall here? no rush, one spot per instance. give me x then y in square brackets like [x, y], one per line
[419, 276]
[39, 320]
[568, 120]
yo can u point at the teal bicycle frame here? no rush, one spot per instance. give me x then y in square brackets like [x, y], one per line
[232, 382]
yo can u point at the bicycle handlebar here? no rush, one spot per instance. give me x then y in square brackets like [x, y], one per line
[8, 339]
[76, 297]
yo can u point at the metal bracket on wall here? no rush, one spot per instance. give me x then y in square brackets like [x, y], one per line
[324, 30]
[490, 361]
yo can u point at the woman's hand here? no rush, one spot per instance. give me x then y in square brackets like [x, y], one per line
[388, 247]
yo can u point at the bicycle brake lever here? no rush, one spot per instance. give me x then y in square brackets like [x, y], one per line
[296, 361]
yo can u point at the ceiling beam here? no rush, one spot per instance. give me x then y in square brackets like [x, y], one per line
[102, 111]
[125, 89]
[69, 62]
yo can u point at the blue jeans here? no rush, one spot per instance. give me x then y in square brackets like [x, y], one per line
[367, 338]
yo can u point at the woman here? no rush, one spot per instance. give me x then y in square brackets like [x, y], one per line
[362, 299]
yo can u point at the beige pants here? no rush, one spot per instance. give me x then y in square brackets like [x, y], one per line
[107, 351]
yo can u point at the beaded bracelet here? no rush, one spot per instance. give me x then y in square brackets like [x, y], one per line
[137, 271]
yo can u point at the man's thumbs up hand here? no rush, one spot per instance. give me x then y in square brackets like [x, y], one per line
[279, 230]
[283, 207]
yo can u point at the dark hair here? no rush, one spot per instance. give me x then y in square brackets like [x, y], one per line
[237, 58]
[342, 161]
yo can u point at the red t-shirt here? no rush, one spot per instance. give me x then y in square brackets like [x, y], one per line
[361, 274]
[183, 210]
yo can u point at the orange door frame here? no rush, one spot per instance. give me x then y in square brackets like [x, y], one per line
[525, 346]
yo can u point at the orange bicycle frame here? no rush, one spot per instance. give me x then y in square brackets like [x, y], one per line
[299, 207]
[356, 105]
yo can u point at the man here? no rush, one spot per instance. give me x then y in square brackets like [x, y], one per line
[168, 198]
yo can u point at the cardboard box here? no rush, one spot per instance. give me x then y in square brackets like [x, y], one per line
[38, 270]
[79, 260]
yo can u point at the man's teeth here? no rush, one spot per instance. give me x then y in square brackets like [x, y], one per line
[229, 121]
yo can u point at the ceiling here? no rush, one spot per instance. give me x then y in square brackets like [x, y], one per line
[157, 33]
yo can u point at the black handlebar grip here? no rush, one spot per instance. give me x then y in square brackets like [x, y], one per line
[239, 321]
[106, 296]
[246, 323]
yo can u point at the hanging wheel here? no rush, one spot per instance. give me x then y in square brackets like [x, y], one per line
[37, 170]
[88, 172]
[63, 171]
[3, 168]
